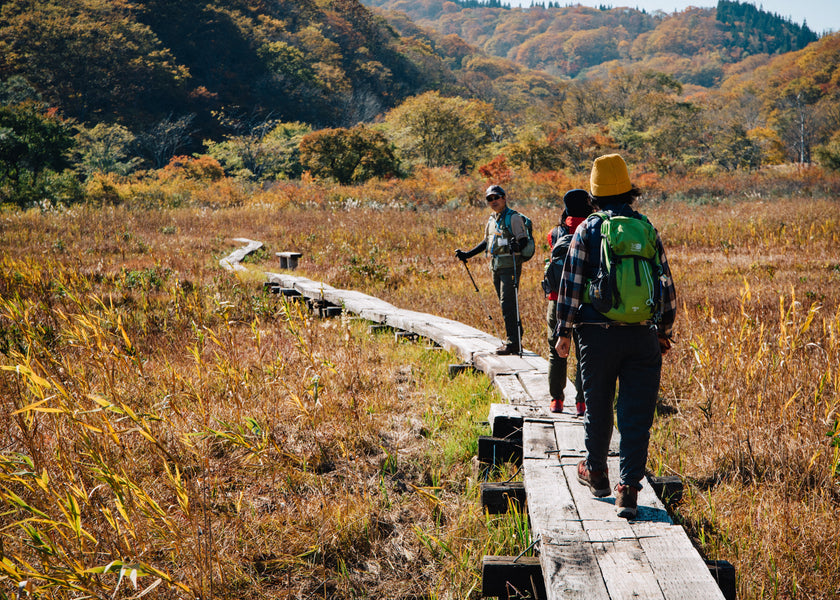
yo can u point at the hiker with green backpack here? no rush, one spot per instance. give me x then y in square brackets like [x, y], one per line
[617, 293]
[508, 241]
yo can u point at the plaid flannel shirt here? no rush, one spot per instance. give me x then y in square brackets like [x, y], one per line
[574, 279]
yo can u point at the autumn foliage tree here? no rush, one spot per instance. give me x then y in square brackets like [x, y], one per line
[348, 155]
[438, 131]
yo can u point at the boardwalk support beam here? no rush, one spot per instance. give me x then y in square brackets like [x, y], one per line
[496, 498]
[510, 577]
[724, 573]
[325, 309]
[495, 450]
[288, 260]
[668, 488]
[455, 370]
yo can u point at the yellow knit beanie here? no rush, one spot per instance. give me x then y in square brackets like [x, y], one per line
[609, 176]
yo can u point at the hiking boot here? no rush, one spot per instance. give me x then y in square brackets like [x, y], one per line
[507, 349]
[597, 481]
[556, 405]
[581, 408]
[626, 500]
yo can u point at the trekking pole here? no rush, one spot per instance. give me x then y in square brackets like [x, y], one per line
[489, 316]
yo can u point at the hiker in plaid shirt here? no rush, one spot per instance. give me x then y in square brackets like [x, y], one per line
[613, 351]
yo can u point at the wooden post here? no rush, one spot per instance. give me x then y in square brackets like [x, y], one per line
[497, 497]
[495, 451]
[288, 260]
[669, 489]
[460, 368]
[724, 573]
[505, 422]
[509, 576]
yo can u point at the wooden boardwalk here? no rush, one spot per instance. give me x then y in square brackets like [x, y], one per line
[585, 549]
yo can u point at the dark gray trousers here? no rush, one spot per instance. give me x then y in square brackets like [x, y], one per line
[505, 283]
[630, 356]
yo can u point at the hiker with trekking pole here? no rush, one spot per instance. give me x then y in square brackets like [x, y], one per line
[508, 241]
[617, 293]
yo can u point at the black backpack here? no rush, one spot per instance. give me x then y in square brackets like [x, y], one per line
[561, 239]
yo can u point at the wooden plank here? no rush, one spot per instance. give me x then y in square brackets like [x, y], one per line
[467, 347]
[511, 389]
[570, 570]
[232, 261]
[536, 384]
[537, 438]
[681, 571]
[570, 567]
[624, 564]
[537, 362]
[570, 434]
[493, 364]
[551, 508]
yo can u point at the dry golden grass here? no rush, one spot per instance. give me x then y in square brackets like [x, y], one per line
[164, 414]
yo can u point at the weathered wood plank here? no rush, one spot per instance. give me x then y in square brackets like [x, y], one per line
[570, 567]
[623, 564]
[493, 364]
[537, 438]
[681, 572]
[232, 261]
[536, 384]
[537, 362]
[570, 570]
[511, 389]
[467, 347]
[551, 508]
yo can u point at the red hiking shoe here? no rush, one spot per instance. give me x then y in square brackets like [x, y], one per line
[626, 501]
[556, 405]
[597, 481]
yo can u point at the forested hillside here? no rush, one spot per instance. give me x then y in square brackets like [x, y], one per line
[694, 45]
[268, 91]
[135, 62]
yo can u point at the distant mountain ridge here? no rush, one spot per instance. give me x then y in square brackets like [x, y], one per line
[695, 45]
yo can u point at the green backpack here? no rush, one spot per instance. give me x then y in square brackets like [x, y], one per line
[626, 287]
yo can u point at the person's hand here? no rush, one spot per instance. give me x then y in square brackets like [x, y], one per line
[562, 346]
[514, 245]
[664, 344]
[461, 255]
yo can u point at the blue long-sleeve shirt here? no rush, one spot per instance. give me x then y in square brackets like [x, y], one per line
[576, 271]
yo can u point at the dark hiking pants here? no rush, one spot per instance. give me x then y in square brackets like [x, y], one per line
[505, 284]
[629, 355]
[557, 366]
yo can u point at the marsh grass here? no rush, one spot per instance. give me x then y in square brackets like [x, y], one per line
[196, 437]
[168, 423]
